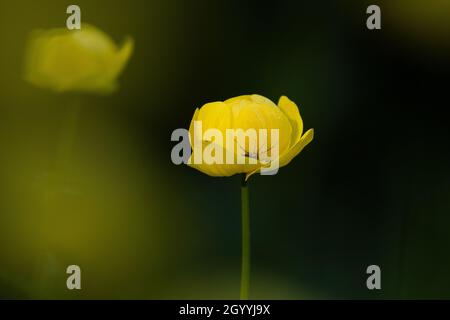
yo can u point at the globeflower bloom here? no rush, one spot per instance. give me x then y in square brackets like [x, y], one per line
[243, 113]
[85, 60]
[245, 122]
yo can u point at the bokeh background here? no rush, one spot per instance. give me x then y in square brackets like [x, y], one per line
[372, 188]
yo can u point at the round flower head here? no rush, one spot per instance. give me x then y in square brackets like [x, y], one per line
[243, 113]
[65, 60]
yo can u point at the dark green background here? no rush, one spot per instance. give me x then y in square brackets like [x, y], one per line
[372, 188]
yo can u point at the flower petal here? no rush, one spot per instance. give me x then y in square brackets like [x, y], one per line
[262, 100]
[258, 117]
[237, 99]
[291, 111]
[215, 115]
[221, 169]
[77, 60]
[291, 154]
[297, 148]
[123, 55]
[191, 127]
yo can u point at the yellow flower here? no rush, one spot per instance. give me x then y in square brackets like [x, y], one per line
[248, 112]
[75, 60]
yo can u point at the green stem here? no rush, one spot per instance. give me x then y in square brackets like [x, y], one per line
[245, 268]
[48, 265]
[68, 134]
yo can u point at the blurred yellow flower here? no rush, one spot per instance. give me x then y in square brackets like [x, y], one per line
[249, 112]
[75, 60]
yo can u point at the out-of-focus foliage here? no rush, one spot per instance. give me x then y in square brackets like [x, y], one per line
[372, 189]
